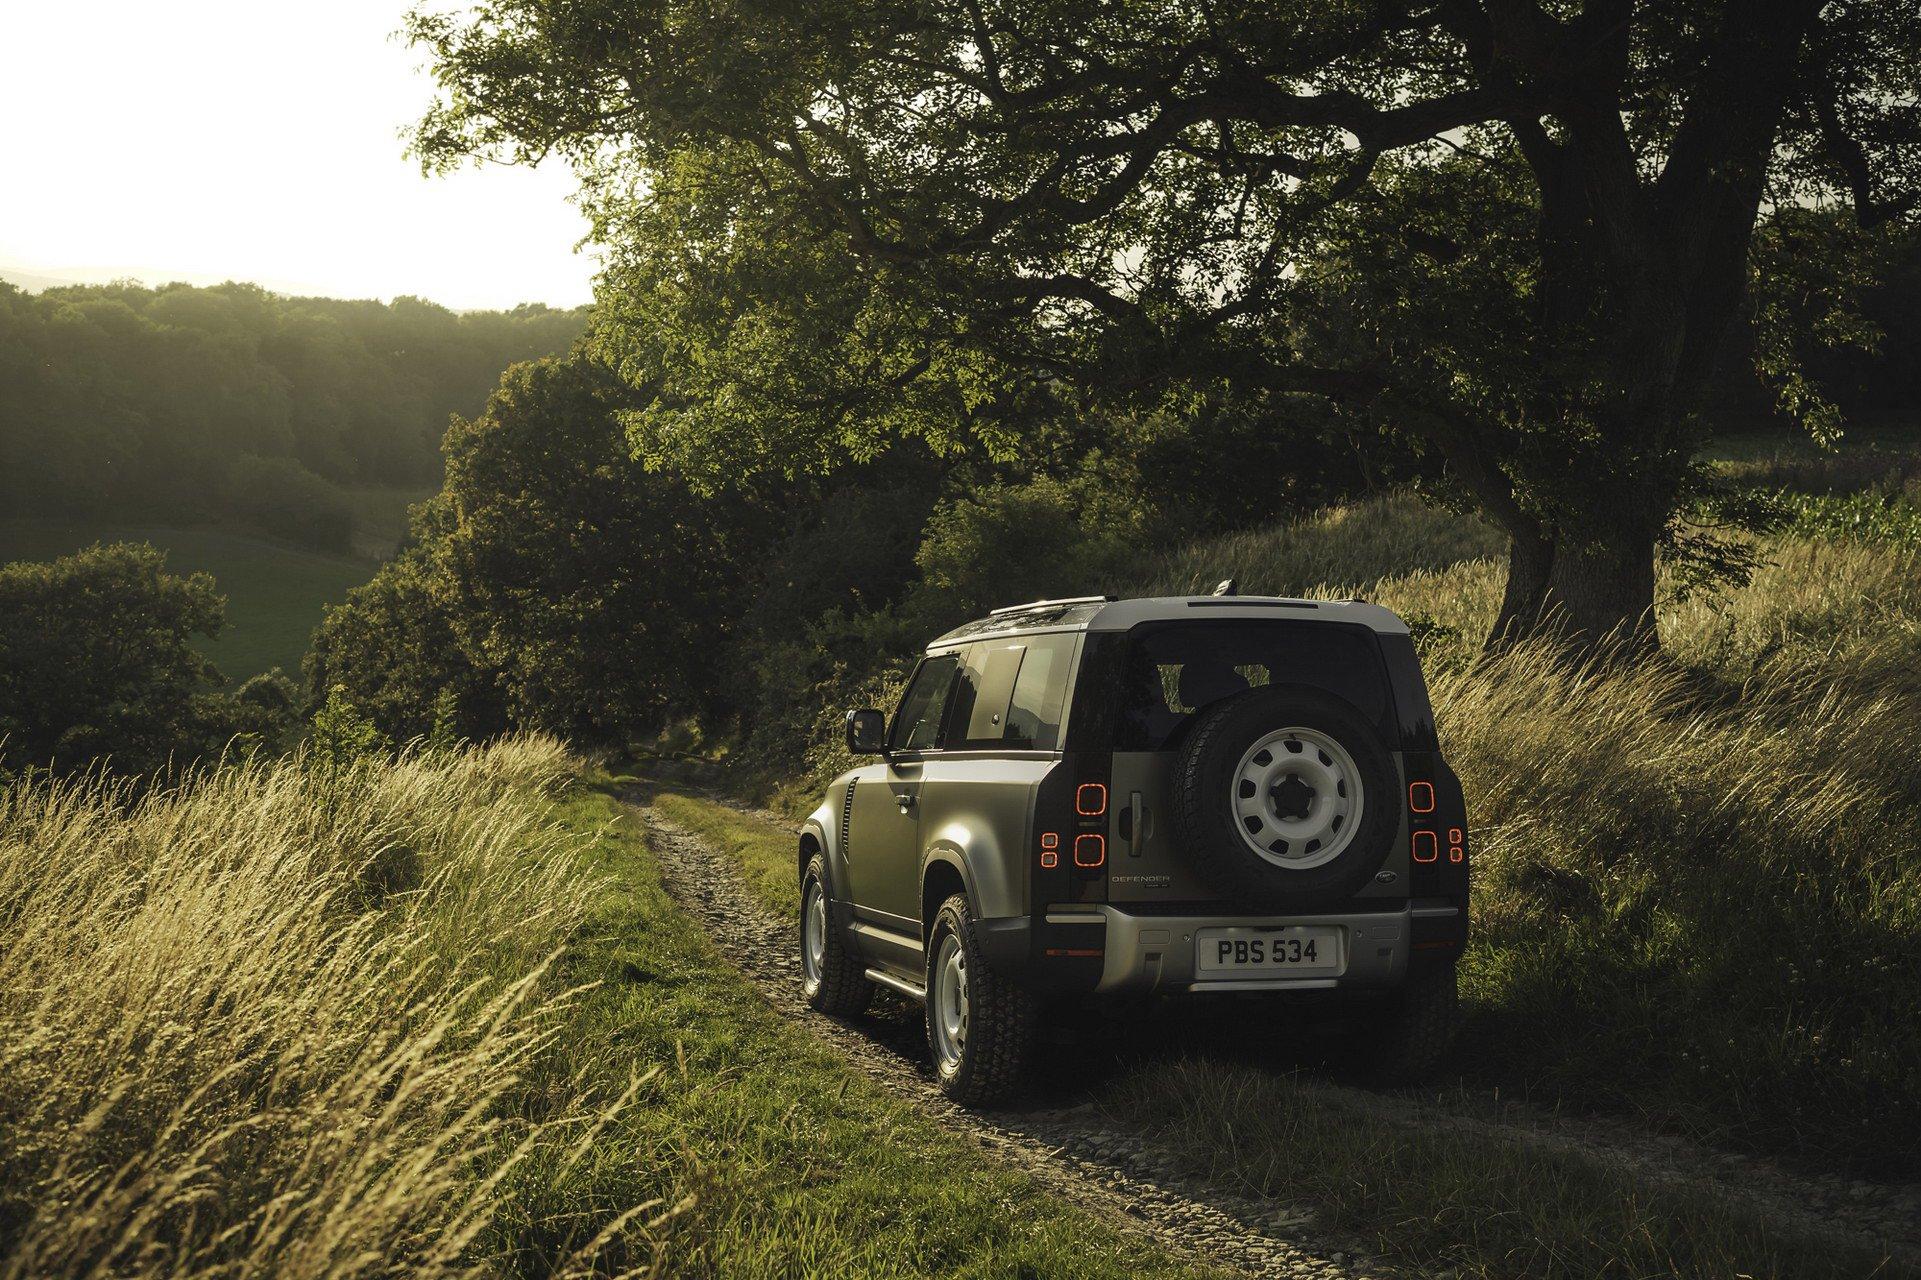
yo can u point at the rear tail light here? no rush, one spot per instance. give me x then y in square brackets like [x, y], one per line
[1090, 851]
[1456, 844]
[1050, 849]
[1090, 799]
[1426, 846]
[1420, 797]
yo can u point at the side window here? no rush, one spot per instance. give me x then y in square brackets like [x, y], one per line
[1040, 693]
[1011, 694]
[917, 723]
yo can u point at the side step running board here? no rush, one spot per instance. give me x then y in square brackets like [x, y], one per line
[912, 990]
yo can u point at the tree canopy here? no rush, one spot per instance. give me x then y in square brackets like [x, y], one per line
[234, 403]
[1518, 234]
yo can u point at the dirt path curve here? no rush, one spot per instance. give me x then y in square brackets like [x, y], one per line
[1071, 1151]
[1111, 1169]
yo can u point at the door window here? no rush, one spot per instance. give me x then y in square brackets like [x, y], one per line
[917, 723]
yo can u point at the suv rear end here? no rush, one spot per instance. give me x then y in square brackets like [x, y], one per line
[1177, 904]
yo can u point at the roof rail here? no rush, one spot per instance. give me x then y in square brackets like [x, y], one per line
[1004, 610]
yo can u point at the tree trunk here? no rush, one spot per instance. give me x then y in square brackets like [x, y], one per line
[1530, 560]
[1596, 596]
[1600, 594]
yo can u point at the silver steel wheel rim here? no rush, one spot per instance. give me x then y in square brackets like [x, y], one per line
[949, 1012]
[813, 936]
[1297, 798]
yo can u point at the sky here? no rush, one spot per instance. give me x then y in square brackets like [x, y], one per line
[257, 140]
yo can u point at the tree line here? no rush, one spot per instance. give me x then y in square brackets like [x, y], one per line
[234, 405]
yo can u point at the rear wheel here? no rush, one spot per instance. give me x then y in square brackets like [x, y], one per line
[830, 978]
[980, 1026]
[1408, 1039]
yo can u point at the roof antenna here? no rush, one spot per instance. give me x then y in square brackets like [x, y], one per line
[1227, 587]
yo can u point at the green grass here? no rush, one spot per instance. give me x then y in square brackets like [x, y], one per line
[765, 852]
[380, 517]
[797, 1165]
[274, 593]
[1482, 1206]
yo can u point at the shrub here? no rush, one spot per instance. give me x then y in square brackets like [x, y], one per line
[288, 501]
[97, 660]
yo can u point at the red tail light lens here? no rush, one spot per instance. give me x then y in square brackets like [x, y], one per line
[1090, 799]
[1426, 847]
[1420, 797]
[1090, 851]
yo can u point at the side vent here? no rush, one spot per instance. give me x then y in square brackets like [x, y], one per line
[846, 816]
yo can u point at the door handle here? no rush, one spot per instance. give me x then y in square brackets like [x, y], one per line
[905, 799]
[1135, 816]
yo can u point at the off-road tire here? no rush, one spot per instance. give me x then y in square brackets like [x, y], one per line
[1001, 1018]
[843, 989]
[1206, 758]
[1409, 1037]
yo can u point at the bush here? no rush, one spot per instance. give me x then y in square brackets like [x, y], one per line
[392, 648]
[288, 501]
[97, 661]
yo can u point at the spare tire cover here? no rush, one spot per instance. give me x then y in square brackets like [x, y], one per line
[1285, 797]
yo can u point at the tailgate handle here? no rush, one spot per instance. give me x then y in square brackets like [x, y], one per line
[1133, 821]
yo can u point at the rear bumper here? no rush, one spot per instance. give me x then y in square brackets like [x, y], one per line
[1157, 954]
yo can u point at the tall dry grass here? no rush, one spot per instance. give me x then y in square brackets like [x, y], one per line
[269, 1022]
[1698, 893]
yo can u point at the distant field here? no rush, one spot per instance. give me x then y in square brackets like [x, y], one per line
[380, 518]
[274, 593]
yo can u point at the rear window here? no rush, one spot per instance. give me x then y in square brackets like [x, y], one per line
[1175, 670]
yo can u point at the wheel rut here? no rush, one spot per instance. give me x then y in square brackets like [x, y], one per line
[1072, 1151]
[1099, 1162]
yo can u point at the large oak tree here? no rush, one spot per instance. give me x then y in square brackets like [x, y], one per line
[1518, 232]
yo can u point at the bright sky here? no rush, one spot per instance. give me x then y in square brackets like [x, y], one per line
[258, 140]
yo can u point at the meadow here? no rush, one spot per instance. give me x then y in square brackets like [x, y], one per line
[275, 592]
[1696, 897]
[435, 1016]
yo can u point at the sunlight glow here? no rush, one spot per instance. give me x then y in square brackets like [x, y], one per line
[230, 139]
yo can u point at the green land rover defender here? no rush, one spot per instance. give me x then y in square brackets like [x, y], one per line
[1186, 796]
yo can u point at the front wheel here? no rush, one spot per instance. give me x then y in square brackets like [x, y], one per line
[830, 978]
[980, 1026]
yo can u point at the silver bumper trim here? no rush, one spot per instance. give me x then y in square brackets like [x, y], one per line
[1156, 953]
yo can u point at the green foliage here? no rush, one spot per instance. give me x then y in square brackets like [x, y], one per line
[342, 735]
[233, 404]
[275, 593]
[1872, 517]
[1510, 240]
[283, 498]
[98, 666]
[393, 645]
[555, 582]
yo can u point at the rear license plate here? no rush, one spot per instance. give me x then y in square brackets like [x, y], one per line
[1294, 950]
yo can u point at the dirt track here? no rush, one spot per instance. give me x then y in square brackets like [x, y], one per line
[1094, 1161]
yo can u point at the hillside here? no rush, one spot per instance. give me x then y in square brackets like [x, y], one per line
[275, 593]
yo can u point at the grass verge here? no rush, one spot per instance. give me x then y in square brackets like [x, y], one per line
[797, 1166]
[1436, 1201]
